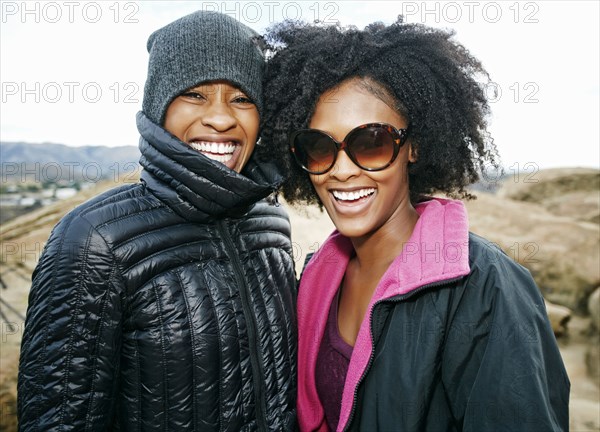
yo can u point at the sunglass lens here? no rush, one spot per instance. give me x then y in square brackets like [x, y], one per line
[372, 147]
[315, 151]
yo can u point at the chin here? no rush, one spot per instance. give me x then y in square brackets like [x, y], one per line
[353, 229]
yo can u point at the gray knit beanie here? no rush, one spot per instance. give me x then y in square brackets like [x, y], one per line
[202, 46]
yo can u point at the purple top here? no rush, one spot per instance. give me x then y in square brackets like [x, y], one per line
[332, 366]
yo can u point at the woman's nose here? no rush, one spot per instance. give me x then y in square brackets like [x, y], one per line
[344, 168]
[218, 115]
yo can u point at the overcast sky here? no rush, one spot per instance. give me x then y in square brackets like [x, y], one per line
[73, 72]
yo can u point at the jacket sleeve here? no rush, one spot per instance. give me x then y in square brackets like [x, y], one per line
[70, 349]
[502, 369]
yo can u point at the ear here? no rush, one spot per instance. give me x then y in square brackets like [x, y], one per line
[412, 153]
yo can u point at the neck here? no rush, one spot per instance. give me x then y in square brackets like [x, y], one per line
[377, 250]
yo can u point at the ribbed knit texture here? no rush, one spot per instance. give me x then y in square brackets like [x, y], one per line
[203, 46]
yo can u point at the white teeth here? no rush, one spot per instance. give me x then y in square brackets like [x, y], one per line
[214, 148]
[353, 195]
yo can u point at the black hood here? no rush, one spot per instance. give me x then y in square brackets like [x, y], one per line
[194, 186]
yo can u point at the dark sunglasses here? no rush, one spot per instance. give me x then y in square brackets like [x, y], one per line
[372, 146]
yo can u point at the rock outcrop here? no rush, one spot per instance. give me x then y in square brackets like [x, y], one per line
[570, 192]
[561, 251]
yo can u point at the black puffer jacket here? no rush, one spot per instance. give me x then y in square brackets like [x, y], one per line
[166, 305]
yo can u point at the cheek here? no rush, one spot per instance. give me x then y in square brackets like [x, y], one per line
[171, 124]
[250, 122]
[177, 118]
[395, 185]
[316, 180]
[319, 183]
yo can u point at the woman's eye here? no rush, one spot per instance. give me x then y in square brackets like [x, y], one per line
[193, 95]
[242, 100]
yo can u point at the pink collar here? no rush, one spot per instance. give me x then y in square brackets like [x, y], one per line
[438, 250]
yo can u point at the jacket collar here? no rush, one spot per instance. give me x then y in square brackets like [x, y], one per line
[194, 186]
[436, 251]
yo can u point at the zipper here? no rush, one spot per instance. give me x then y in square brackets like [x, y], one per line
[396, 299]
[257, 372]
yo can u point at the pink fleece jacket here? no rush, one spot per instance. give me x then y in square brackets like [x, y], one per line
[437, 250]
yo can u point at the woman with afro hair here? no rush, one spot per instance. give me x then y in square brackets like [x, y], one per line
[407, 321]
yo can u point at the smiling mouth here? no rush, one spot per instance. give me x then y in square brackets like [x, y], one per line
[352, 196]
[221, 152]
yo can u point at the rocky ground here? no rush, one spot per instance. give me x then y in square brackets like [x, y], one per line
[535, 223]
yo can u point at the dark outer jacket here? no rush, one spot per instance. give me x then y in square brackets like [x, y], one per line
[165, 305]
[456, 338]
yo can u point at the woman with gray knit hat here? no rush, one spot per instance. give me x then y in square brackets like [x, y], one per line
[169, 304]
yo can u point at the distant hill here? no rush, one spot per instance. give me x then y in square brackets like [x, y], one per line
[24, 162]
